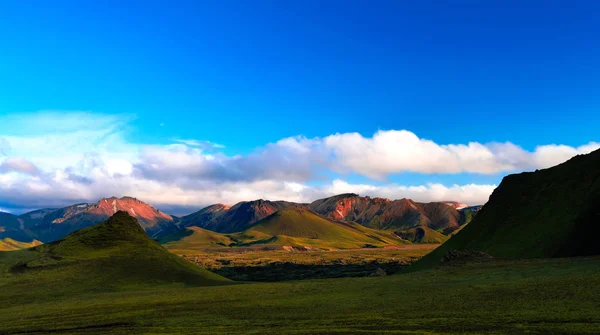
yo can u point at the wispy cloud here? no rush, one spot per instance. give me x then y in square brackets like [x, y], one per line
[206, 145]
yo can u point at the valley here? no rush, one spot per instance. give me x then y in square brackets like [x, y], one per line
[253, 264]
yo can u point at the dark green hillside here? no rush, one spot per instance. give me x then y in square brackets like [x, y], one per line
[548, 213]
[114, 254]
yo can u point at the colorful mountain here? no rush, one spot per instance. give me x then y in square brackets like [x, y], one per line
[48, 225]
[398, 215]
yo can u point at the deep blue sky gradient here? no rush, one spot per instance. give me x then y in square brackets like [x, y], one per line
[244, 73]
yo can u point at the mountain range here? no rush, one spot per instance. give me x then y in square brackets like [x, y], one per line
[409, 220]
[290, 228]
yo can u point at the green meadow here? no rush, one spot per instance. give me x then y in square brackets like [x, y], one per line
[535, 296]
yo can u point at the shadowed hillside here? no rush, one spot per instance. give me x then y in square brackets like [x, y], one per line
[115, 253]
[203, 216]
[11, 226]
[548, 213]
[422, 235]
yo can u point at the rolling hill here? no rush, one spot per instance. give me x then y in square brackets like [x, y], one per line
[291, 227]
[548, 213]
[114, 254]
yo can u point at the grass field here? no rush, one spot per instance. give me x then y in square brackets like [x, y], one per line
[278, 265]
[535, 296]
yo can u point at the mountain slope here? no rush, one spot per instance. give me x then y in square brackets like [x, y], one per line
[243, 215]
[292, 227]
[549, 213]
[12, 227]
[115, 253]
[399, 215]
[8, 244]
[203, 216]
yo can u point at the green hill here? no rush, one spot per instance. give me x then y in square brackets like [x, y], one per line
[293, 227]
[196, 238]
[548, 213]
[114, 254]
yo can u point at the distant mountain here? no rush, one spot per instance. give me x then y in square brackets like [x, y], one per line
[548, 213]
[386, 214]
[292, 227]
[12, 227]
[51, 224]
[114, 253]
[203, 216]
[237, 218]
[48, 225]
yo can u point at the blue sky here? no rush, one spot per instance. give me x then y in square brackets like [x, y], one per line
[244, 74]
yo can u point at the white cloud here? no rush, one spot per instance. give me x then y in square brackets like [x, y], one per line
[390, 152]
[62, 158]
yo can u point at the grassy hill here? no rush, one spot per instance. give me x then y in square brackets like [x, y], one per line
[294, 227]
[422, 235]
[548, 213]
[8, 244]
[114, 254]
[196, 238]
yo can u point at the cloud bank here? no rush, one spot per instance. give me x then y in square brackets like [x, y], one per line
[58, 158]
